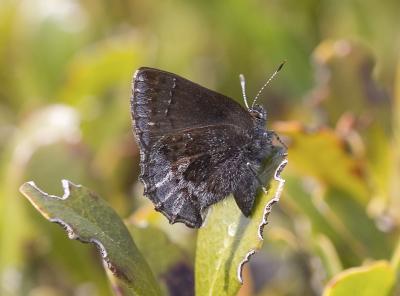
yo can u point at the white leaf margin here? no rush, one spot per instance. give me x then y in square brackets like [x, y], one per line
[66, 185]
[264, 221]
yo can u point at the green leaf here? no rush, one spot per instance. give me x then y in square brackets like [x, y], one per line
[375, 279]
[88, 218]
[228, 239]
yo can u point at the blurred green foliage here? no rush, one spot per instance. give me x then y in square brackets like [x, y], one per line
[65, 73]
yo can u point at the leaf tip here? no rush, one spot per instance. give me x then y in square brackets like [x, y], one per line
[26, 186]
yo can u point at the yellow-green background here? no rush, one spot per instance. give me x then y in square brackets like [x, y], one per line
[65, 75]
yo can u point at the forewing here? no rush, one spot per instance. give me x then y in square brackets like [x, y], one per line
[164, 103]
[188, 171]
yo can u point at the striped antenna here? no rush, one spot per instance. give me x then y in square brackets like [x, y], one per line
[243, 84]
[268, 81]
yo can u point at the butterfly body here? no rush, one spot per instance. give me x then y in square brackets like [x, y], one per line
[196, 146]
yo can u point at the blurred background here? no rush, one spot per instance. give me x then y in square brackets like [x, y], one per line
[65, 75]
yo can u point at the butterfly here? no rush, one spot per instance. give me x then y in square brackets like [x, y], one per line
[196, 146]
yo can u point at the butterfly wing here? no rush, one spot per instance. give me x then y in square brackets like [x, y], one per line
[164, 103]
[190, 170]
[188, 136]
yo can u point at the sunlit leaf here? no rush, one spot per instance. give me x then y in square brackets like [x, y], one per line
[228, 239]
[375, 279]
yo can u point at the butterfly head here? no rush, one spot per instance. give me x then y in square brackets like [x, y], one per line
[259, 114]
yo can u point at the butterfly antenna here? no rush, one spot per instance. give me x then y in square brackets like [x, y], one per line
[268, 81]
[243, 85]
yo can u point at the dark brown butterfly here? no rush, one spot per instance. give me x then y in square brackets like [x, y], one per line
[196, 146]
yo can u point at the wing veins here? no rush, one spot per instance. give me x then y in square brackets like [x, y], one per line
[203, 126]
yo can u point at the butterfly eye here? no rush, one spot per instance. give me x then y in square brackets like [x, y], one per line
[256, 114]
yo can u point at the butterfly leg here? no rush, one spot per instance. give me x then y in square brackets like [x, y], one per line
[257, 178]
[274, 134]
[245, 191]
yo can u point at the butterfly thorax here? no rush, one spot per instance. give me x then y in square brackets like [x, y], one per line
[259, 115]
[260, 144]
[260, 139]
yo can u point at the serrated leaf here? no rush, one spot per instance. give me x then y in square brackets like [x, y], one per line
[88, 218]
[375, 279]
[228, 239]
